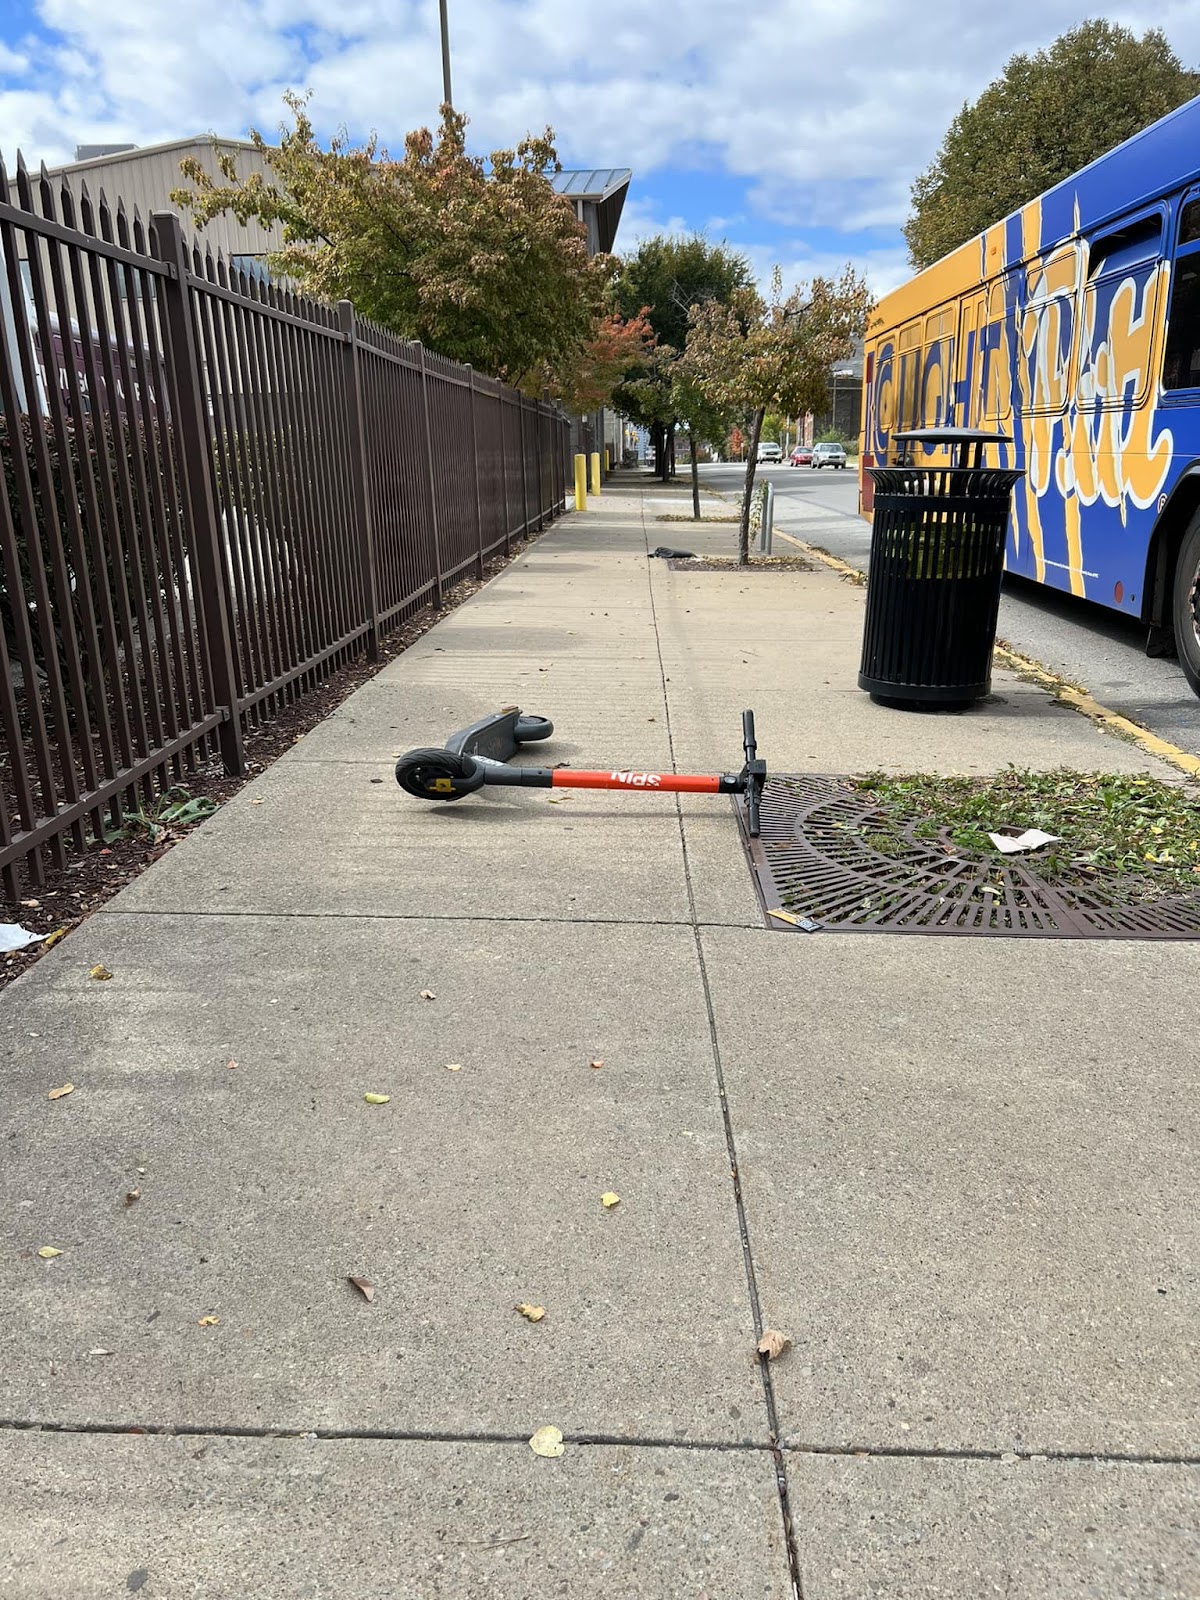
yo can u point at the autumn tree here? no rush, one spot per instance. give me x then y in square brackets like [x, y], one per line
[481, 261]
[668, 277]
[617, 348]
[753, 354]
[1046, 116]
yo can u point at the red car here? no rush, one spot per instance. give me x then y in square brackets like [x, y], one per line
[801, 456]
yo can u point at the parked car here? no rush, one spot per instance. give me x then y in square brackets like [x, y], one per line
[769, 452]
[828, 455]
[801, 456]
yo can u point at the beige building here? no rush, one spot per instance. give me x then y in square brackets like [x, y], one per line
[143, 177]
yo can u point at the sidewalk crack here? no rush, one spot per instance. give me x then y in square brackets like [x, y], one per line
[781, 1483]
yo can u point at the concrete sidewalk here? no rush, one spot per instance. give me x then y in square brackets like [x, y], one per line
[960, 1174]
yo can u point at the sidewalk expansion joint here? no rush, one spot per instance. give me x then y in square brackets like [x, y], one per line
[683, 924]
[197, 1430]
[900, 1452]
[598, 1440]
[781, 1483]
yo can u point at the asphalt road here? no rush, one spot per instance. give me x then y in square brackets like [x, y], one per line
[1094, 648]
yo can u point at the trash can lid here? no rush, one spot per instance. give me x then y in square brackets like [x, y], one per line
[964, 440]
[953, 436]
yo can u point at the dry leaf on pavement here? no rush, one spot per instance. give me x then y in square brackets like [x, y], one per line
[531, 1313]
[48, 1252]
[229, 1066]
[454, 1066]
[133, 1194]
[57, 1094]
[208, 1322]
[366, 1289]
[547, 1442]
[773, 1343]
[428, 994]
[52, 939]
[597, 1064]
[609, 1200]
[100, 973]
[377, 1099]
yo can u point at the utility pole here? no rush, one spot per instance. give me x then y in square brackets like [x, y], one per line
[447, 97]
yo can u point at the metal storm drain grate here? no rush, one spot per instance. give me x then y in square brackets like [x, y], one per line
[814, 859]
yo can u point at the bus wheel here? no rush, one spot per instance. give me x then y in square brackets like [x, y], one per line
[1186, 613]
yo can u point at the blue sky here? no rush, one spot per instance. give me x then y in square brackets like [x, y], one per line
[791, 128]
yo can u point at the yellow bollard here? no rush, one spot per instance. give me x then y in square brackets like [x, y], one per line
[595, 472]
[581, 483]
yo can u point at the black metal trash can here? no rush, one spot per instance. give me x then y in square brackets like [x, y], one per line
[937, 562]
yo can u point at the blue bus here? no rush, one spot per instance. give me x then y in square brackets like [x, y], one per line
[1073, 326]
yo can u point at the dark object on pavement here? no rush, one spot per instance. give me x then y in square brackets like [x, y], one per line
[479, 755]
[673, 555]
[937, 562]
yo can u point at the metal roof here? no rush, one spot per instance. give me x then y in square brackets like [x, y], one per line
[595, 185]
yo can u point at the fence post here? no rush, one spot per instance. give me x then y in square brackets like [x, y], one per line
[524, 471]
[364, 527]
[191, 418]
[475, 460]
[499, 399]
[437, 549]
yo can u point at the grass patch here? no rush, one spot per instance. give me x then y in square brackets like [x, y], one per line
[1108, 824]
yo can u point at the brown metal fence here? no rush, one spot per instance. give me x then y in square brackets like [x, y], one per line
[218, 491]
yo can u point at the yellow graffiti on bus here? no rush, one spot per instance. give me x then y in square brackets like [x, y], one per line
[1113, 451]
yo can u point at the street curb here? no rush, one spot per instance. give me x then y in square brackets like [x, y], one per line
[1078, 699]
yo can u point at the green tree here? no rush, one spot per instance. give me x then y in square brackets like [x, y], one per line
[754, 353]
[1047, 115]
[482, 262]
[666, 277]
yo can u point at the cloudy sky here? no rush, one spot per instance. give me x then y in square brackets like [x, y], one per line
[792, 128]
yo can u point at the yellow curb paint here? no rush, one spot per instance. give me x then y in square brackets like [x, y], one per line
[1112, 721]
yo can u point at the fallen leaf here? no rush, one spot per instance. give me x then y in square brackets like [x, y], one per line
[53, 938]
[208, 1322]
[32, 904]
[531, 1313]
[377, 1099]
[547, 1442]
[428, 994]
[101, 1351]
[100, 973]
[133, 1194]
[367, 1290]
[57, 1094]
[229, 1066]
[48, 1252]
[598, 1063]
[256, 802]
[773, 1343]
[454, 1066]
[609, 1200]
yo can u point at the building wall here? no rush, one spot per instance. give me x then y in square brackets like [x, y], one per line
[144, 179]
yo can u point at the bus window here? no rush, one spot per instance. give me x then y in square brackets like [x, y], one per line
[1048, 331]
[937, 368]
[908, 386]
[1118, 314]
[1181, 358]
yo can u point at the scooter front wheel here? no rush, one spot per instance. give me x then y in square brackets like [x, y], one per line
[438, 774]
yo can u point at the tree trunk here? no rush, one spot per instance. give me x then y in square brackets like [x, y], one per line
[695, 477]
[751, 463]
[656, 444]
